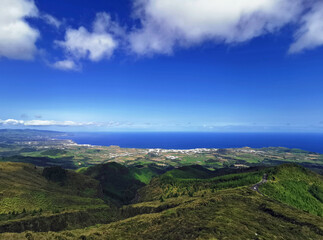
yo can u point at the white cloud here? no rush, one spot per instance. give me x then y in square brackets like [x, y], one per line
[11, 122]
[14, 122]
[49, 19]
[310, 35]
[56, 123]
[48, 123]
[17, 37]
[170, 23]
[164, 25]
[66, 65]
[96, 45]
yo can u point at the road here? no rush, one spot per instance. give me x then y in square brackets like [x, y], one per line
[256, 186]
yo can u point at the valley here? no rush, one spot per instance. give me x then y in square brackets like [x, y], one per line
[56, 189]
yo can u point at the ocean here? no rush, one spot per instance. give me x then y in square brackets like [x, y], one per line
[178, 140]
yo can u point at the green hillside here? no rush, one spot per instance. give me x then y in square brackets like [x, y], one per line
[296, 186]
[193, 181]
[191, 202]
[144, 173]
[41, 161]
[118, 183]
[192, 171]
[236, 213]
[26, 195]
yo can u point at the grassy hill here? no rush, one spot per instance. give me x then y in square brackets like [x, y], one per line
[144, 173]
[296, 186]
[22, 186]
[192, 171]
[189, 202]
[27, 196]
[231, 213]
[42, 161]
[120, 183]
[196, 180]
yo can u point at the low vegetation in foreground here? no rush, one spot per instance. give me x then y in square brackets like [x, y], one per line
[56, 189]
[189, 202]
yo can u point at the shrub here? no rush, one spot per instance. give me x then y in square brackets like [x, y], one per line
[55, 174]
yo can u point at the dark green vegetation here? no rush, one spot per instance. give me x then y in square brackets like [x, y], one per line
[229, 214]
[55, 174]
[120, 183]
[194, 183]
[53, 152]
[91, 192]
[296, 186]
[189, 202]
[48, 199]
[65, 162]
[144, 173]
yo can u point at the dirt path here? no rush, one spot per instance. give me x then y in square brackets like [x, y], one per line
[256, 186]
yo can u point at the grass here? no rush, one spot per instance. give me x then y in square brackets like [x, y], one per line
[189, 202]
[249, 158]
[42, 161]
[194, 180]
[28, 201]
[189, 160]
[118, 183]
[228, 214]
[296, 186]
[23, 188]
[189, 172]
[145, 173]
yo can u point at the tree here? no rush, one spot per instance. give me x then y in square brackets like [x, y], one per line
[55, 174]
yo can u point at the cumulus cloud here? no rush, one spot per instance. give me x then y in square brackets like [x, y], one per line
[96, 45]
[66, 65]
[170, 23]
[161, 26]
[310, 35]
[17, 37]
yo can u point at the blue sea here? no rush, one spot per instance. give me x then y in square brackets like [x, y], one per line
[179, 140]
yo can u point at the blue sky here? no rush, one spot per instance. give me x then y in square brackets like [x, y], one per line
[180, 65]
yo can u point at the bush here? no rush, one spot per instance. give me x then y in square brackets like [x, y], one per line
[55, 174]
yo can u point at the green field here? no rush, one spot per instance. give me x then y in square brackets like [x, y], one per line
[219, 205]
[55, 189]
